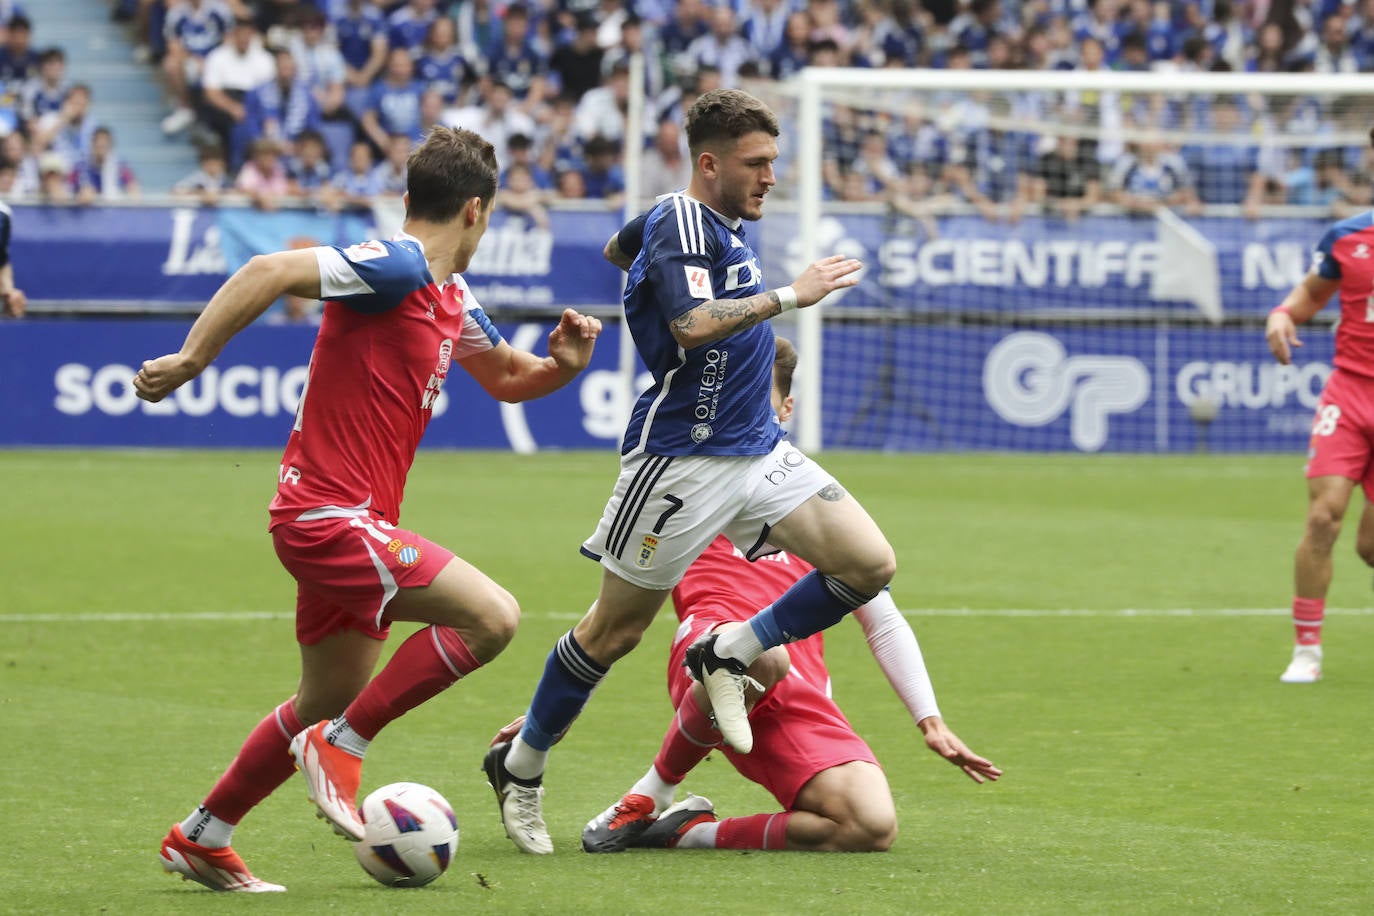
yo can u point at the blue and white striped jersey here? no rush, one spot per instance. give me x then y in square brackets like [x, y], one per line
[712, 399]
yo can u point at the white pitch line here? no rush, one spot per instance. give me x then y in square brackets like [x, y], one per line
[214, 616]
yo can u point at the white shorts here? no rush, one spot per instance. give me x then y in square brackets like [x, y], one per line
[666, 510]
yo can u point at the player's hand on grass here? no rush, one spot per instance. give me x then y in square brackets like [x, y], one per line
[160, 377]
[571, 343]
[824, 277]
[1281, 332]
[509, 732]
[949, 746]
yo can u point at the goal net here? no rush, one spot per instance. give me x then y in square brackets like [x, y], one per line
[1060, 260]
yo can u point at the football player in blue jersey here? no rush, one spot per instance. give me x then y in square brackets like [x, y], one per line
[703, 454]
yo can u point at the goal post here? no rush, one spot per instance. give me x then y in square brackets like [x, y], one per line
[1110, 329]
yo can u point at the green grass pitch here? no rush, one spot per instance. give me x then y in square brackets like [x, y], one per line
[1153, 762]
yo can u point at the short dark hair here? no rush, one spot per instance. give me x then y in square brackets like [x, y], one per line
[726, 115]
[784, 364]
[448, 169]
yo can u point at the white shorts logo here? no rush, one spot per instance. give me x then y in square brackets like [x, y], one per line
[1029, 380]
[699, 282]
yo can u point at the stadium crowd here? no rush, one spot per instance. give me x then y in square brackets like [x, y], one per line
[316, 99]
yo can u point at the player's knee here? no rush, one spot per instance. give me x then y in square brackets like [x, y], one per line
[1323, 524]
[771, 667]
[874, 572]
[1366, 551]
[500, 620]
[873, 832]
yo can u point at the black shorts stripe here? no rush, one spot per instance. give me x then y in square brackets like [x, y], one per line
[631, 493]
[641, 498]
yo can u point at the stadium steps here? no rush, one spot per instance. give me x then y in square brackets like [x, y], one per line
[127, 96]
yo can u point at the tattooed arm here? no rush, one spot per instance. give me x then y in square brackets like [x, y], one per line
[719, 318]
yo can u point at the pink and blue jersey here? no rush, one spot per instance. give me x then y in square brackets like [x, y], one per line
[712, 399]
[1346, 253]
[388, 338]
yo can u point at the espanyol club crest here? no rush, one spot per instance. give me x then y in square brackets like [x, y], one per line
[406, 554]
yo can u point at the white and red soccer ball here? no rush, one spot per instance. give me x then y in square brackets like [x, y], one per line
[410, 835]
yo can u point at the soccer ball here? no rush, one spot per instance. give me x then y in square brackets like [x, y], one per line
[409, 835]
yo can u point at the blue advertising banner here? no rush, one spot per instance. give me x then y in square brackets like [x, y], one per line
[164, 257]
[69, 383]
[893, 387]
[175, 256]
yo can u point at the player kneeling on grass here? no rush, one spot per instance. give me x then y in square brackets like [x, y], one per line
[833, 793]
[398, 316]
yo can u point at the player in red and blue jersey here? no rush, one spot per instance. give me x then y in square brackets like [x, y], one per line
[398, 317]
[1341, 449]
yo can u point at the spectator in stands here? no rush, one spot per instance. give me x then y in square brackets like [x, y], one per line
[309, 172]
[1362, 34]
[827, 23]
[555, 140]
[578, 63]
[13, 298]
[1068, 179]
[634, 40]
[440, 64]
[521, 196]
[877, 174]
[1225, 164]
[666, 166]
[393, 105]
[360, 29]
[282, 108]
[102, 175]
[1269, 54]
[45, 93]
[390, 173]
[68, 130]
[795, 51]
[263, 176]
[516, 62]
[232, 70]
[478, 28]
[974, 29]
[571, 185]
[358, 184]
[1334, 55]
[1147, 178]
[520, 152]
[16, 153]
[722, 47]
[601, 111]
[321, 66]
[54, 182]
[987, 169]
[210, 181]
[495, 117]
[765, 26]
[192, 29]
[602, 176]
[408, 25]
[18, 59]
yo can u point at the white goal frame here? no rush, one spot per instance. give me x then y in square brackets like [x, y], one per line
[811, 87]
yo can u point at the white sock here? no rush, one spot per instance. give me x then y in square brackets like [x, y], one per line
[702, 836]
[204, 829]
[740, 643]
[341, 735]
[525, 762]
[652, 785]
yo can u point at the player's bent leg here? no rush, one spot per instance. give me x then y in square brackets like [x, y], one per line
[835, 534]
[465, 599]
[847, 808]
[615, 624]
[333, 672]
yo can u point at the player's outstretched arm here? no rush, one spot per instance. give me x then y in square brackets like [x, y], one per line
[511, 375]
[242, 298]
[1306, 299]
[719, 318]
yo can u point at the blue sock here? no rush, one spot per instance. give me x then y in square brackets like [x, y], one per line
[570, 675]
[813, 603]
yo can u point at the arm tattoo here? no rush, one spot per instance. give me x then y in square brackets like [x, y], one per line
[831, 493]
[733, 315]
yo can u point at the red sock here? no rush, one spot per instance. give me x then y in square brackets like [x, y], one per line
[689, 739]
[758, 831]
[425, 665]
[1307, 620]
[263, 763]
